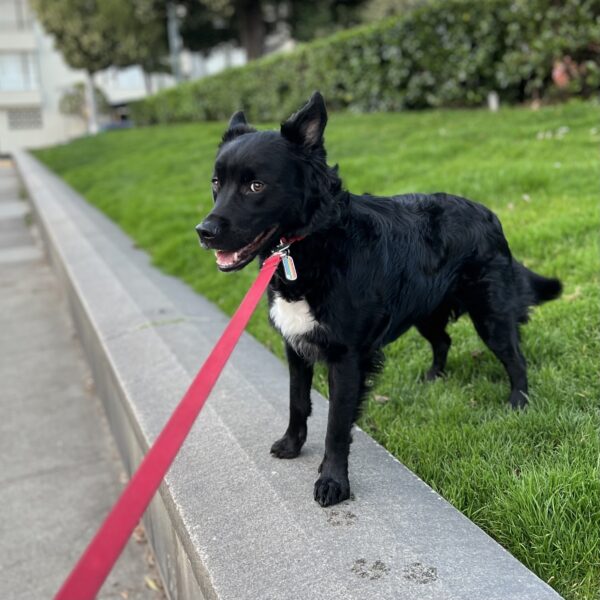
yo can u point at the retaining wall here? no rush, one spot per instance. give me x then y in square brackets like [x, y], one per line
[230, 521]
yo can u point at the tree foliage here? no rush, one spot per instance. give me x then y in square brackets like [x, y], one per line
[73, 101]
[311, 19]
[247, 22]
[96, 34]
[444, 53]
[206, 24]
[142, 30]
[83, 31]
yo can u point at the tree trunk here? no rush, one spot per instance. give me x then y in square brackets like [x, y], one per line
[91, 104]
[251, 26]
[174, 40]
[148, 83]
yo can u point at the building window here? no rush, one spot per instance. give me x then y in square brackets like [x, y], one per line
[14, 15]
[17, 72]
[25, 118]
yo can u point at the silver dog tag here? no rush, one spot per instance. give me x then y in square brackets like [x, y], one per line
[289, 268]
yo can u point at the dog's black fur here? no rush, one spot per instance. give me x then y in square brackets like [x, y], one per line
[369, 268]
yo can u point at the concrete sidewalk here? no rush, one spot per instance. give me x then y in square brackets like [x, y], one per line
[59, 472]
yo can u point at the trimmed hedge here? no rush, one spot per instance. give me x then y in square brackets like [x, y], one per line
[444, 53]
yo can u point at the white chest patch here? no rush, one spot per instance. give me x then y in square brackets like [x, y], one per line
[292, 318]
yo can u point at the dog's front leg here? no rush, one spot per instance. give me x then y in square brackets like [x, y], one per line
[346, 383]
[301, 374]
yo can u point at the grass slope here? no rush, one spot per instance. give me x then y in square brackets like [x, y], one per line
[531, 480]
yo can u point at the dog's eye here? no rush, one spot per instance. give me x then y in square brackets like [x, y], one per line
[215, 183]
[257, 186]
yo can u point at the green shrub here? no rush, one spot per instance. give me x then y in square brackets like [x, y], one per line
[442, 53]
[74, 102]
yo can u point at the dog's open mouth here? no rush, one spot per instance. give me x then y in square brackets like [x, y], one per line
[229, 260]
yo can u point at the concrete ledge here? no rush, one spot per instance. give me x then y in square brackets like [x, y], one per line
[231, 522]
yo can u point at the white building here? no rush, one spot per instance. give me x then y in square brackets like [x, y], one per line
[32, 79]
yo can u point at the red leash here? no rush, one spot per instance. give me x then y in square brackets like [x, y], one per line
[99, 557]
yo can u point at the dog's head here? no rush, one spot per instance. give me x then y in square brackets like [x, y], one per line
[267, 184]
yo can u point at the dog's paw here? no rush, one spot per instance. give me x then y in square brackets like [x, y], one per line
[328, 491]
[286, 447]
[518, 400]
[433, 374]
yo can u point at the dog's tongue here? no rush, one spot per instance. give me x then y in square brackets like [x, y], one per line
[225, 259]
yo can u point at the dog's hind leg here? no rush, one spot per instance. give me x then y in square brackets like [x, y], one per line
[301, 374]
[433, 329]
[501, 335]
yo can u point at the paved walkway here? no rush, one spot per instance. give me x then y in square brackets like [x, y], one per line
[59, 472]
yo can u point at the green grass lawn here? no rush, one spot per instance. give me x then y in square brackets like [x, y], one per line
[531, 479]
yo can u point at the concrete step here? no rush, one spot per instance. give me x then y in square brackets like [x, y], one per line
[230, 521]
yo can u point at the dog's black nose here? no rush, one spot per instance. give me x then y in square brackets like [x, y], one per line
[208, 229]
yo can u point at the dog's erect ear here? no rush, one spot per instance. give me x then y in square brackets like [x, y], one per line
[307, 125]
[237, 118]
[237, 126]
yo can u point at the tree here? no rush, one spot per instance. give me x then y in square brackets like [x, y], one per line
[209, 22]
[247, 22]
[84, 35]
[203, 26]
[142, 30]
[141, 26]
[309, 19]
[74, 101]
[95, 34]
[251, 26]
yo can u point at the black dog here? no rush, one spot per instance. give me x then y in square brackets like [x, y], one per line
[369, 268]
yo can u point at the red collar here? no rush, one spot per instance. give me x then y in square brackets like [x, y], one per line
[284, 241]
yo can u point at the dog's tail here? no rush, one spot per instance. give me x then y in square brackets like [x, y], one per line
[542, 289]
